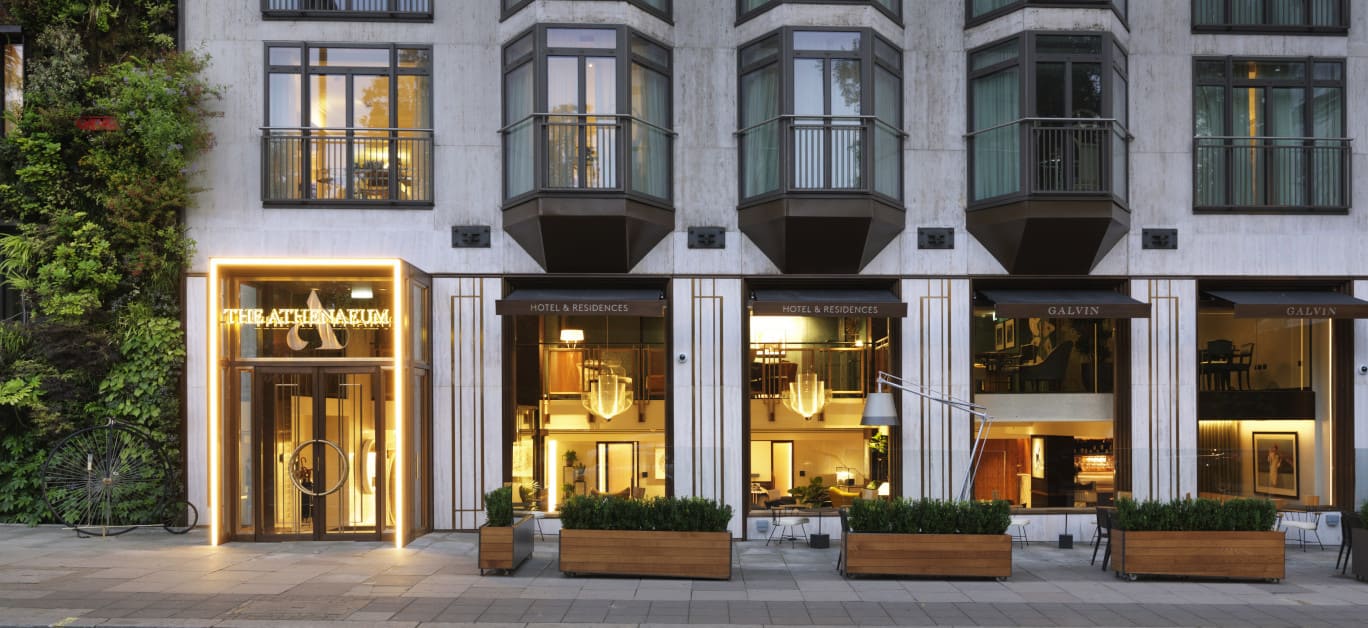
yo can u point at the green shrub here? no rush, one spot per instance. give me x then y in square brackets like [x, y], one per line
[499, 507]
[680, 514]
[929, 516]
[1196, 515]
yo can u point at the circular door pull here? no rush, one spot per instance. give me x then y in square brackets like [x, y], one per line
[296, 471]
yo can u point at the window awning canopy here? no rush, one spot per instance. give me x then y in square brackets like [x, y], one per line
[582, 302]
[1292, 303]
[827, 302]
[1065, 304]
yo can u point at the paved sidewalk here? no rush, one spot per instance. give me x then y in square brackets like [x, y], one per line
[150, 578]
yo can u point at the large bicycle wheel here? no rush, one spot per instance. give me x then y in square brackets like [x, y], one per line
[179, 516]
[105, 480]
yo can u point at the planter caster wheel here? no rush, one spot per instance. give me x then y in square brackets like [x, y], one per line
[1274, 580]
[999, 578]
[1132, 577]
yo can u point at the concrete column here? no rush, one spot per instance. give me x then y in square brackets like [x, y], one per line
[467, 413]
[708, 389]
[1164, 390]
[935, 337]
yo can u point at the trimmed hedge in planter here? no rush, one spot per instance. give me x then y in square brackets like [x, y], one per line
[668, 537]
[504, 543]
[1198, 538]
[927, 537]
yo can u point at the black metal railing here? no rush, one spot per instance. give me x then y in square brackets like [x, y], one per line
[798, 154]
[361, 165]
[1055, 156]
[347, 8]
[1326, 16]
[1274, 173]
[584, 152]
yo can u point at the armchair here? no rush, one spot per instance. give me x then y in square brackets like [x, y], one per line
[841, 498]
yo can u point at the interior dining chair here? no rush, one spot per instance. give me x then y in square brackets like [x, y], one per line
[1049, 371]
[1350, 521]
[1240, 363]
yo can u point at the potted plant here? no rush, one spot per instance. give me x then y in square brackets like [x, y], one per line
[927, 537]
[683, 537]
[1198, 537]
[814, 495]
[1359, 539]
[504, 543]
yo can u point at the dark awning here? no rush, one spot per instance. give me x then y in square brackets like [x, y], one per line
[1065, 304]
[582, 302]
[827, 302]
[1292, 304]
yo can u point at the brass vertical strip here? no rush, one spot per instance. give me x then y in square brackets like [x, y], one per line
[467, 315]
[926, 306]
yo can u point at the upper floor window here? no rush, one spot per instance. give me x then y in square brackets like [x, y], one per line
[1271, 16]
[349, 123]
[747, 9]
[12, 94]
[587, 110]
[979, 11]
[1047, 114]
[1270, 135]
[662, 9]
[348, 9]
[821, 111]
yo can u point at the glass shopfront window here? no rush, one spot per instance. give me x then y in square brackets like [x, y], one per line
[807, 377]
[1048, 382]
[1265, 408]
[590, 414]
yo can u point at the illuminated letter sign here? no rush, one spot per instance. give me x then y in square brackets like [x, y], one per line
[325, 321]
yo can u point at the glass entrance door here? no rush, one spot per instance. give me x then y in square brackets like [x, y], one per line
[321, 445]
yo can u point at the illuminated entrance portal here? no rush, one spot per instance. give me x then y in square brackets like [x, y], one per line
[319, 414]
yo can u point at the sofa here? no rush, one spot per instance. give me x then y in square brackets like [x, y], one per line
[841, 498]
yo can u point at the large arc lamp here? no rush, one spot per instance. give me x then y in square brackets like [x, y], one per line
[880, 410]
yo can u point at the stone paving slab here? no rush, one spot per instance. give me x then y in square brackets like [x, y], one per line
[148, 578]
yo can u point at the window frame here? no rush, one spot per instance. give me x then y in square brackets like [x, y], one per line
[970, 20]
[868, 59]
[1227, 28]
[509, 8]
[392, 72]
[1308, 85]
[1114, 59]
[348, 15]
[624, 58]
[742, 15]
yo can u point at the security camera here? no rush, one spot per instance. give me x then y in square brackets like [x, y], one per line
[685, 358]
[1363, 369]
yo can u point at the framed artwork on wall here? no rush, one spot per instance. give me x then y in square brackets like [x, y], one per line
[1275, 463]
[1009, 334]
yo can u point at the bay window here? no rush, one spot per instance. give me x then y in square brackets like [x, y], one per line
[979, 11]
[587, 110]
[348, 124]
[747, 9]
[1270, 135]
[838, 127]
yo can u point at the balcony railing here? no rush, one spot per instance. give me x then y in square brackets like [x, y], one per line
[588, 153]
[349, 8]
[1271, 173]
[1051, 156]
[831, 154]
[389, 166]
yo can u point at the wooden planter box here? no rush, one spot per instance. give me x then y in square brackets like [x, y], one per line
[1247, 555]
[942, 555]
[646, 553]
[1359, 542]
[506, 547]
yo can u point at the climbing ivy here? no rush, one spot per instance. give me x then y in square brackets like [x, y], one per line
[97, 251]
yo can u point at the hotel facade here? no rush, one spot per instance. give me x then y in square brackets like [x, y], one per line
[656, 247]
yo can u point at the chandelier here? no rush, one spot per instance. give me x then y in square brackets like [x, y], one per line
[608, 392]
[806, 395]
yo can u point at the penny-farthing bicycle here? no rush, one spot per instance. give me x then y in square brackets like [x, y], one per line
[109, 479]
